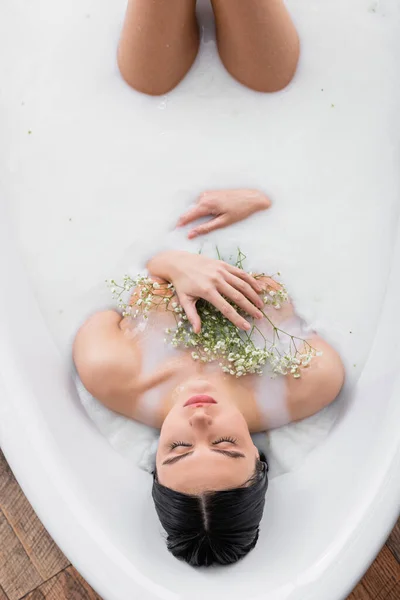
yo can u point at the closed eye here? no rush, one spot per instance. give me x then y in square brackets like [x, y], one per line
[179, 444]
[228, 439]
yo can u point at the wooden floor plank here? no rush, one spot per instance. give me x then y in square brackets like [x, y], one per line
[2, 594]
[393, 542]
[42, 550]
[382, 576]
[18, 576]
[360, 593]
[67, 585]
[394, 593]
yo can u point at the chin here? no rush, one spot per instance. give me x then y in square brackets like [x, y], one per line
[198, 386]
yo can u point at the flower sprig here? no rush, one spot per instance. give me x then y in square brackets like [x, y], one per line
[219, 340]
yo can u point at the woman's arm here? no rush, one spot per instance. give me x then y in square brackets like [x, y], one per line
[320, 383]
[322, 378]
[109, 365]
[225, 207]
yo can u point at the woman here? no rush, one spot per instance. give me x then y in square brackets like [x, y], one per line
[210, 481]
[257, 43]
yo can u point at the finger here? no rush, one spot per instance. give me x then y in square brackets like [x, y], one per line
[240, 300]
[196, 212]
[256, 285]
[216, 223]
[268, 282]
[189, 306]
[227, 310]
[245, 288]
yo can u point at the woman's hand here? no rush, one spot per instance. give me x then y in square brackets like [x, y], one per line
[225, 207]
[195, 276]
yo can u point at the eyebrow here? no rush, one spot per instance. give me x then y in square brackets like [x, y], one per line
[228, 453]
[175, 459]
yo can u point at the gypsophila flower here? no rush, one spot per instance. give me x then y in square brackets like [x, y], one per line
[235, 352]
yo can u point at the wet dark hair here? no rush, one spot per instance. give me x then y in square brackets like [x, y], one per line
[215, 527]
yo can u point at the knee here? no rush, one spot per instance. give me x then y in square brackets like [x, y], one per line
[139, 82]
[145, 85]
[285, 75]
[268, 78]
[157, 74]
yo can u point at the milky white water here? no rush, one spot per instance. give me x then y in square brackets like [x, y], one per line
[94, 173]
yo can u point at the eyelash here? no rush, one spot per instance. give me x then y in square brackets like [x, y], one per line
[176, 444]
[225, 439]
[219, 441]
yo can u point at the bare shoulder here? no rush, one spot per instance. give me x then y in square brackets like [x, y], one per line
[107, 361]
[94, 335]
[318, 385]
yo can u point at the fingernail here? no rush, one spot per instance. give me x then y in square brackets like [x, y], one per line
[246, 325]
[259, 315]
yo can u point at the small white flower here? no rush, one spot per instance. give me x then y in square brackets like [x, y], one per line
[156, 285]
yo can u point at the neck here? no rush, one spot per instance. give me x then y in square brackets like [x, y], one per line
[237, 391]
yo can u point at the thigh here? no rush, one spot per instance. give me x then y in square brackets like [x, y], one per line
[158, 44]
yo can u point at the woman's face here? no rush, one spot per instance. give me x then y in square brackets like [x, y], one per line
[205, 444]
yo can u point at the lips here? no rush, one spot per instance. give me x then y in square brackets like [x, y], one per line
[200, 399]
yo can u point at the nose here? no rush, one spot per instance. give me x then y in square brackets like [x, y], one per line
[200, 420]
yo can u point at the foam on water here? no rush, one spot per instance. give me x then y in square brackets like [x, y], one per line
[94, 172]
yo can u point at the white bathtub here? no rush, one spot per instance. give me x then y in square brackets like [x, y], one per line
[325, 522]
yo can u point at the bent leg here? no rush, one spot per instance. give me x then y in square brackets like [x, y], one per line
[158, 45]
[257, 42]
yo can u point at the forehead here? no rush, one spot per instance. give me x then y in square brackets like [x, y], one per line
[206, 471]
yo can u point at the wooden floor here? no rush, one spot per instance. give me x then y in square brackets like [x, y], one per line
[33, 568]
